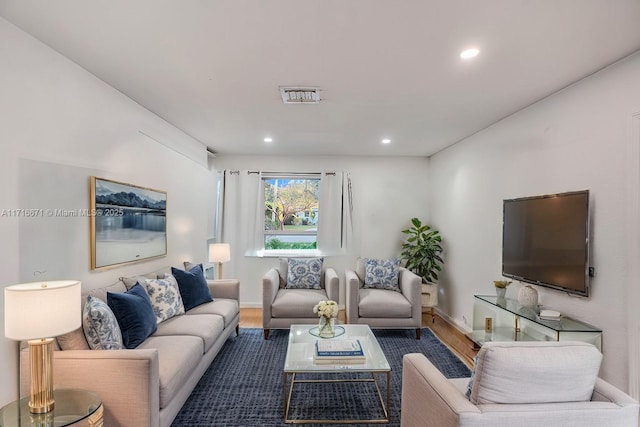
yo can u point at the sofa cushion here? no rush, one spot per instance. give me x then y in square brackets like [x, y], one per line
[101, 293]
[382, 274]
[304, 273]
[208, 327]
[177, 358]
[227, 308]
[130, 282]
[165, 297]
[297, 302]
[134, 313]
[383, 303]
[74, 340]
[193, 286]
[562, 371]
[100, 326]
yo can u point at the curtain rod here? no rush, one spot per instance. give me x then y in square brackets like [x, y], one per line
[292, 173]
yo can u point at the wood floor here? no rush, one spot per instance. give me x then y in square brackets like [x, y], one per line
[450, 335]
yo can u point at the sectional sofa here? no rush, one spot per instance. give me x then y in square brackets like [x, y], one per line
[147, 385]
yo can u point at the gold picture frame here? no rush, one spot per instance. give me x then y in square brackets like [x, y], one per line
[127, 223]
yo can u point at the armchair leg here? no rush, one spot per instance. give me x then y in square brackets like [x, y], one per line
[237, 330]
[266, 333]
[418, 333]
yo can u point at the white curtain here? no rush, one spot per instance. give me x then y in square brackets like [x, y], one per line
[243, 212]
[335, 205]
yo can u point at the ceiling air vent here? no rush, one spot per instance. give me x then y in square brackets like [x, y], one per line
[300, 95]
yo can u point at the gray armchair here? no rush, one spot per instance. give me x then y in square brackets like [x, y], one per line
[524, 384]
[282, 307]
[382, 308]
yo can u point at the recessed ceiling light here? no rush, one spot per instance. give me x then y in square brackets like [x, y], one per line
[386, 141]
[268, 139]
[469, 53]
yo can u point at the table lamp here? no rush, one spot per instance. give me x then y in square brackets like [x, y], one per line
[37, 312]
[219, 252]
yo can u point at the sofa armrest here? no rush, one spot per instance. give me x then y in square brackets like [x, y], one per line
[127, 381]
[270, 286]
[428, 398]
[332, 284]
[605, 392]
[410, 286]
[352, 294]
[225, 288]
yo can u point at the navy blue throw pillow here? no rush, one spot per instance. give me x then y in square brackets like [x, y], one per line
[134, 314]
[193, 286]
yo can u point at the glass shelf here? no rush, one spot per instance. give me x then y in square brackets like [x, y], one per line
[512, 322]
[565, 324]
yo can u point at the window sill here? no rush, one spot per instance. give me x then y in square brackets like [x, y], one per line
[288, 253]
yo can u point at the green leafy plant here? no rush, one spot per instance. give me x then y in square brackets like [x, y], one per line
[422, 250]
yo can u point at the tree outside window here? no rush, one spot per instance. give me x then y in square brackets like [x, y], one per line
[291, 213]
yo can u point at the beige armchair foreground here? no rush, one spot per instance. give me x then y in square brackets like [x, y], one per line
[541, 384]
[381, 308]
[282, 307]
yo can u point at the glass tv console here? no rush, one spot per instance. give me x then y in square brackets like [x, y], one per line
[503, 319]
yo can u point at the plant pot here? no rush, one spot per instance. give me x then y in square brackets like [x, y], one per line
[501, 292]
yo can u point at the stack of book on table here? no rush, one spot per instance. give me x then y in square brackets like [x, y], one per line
[338, 352]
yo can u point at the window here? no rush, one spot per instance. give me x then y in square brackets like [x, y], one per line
[291, 212]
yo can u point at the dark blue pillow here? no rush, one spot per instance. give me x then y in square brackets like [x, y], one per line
[193, 286]
[134, 313]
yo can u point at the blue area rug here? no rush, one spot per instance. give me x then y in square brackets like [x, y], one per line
[243, 385]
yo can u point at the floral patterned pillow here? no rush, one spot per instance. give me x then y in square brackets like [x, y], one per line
[304, 273]
[100, 326]
[165, 297]
[381, 273]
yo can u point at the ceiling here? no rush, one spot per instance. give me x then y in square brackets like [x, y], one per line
[387, 69]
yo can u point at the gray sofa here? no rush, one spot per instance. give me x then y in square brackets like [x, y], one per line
[148, 385]
[550, 384]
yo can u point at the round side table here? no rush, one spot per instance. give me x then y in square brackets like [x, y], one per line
[73, 407]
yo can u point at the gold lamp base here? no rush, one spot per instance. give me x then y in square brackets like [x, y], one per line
[41, 360]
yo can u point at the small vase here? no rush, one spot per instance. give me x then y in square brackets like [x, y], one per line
[326, 327]
[501, 292]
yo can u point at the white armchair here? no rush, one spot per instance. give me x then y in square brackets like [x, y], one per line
[381, 308]
[282, 307]
[550, 384]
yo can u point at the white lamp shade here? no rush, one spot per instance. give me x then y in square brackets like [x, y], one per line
[219, 252]
[41, 309]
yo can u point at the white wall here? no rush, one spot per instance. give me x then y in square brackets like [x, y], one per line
[576, 139]
[387, 193]
[59, 125]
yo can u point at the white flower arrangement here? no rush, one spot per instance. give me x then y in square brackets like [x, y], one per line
[326, 309]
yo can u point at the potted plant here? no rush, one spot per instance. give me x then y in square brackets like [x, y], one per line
[501, 287]
[421, 251]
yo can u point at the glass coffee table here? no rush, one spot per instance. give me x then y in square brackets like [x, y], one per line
[299, 360]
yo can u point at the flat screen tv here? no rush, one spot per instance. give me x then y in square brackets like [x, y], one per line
[545, 241]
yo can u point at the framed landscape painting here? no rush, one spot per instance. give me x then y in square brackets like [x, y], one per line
[128, 223]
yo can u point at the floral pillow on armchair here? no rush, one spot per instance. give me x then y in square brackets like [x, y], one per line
[381, 274]
[304, 273]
